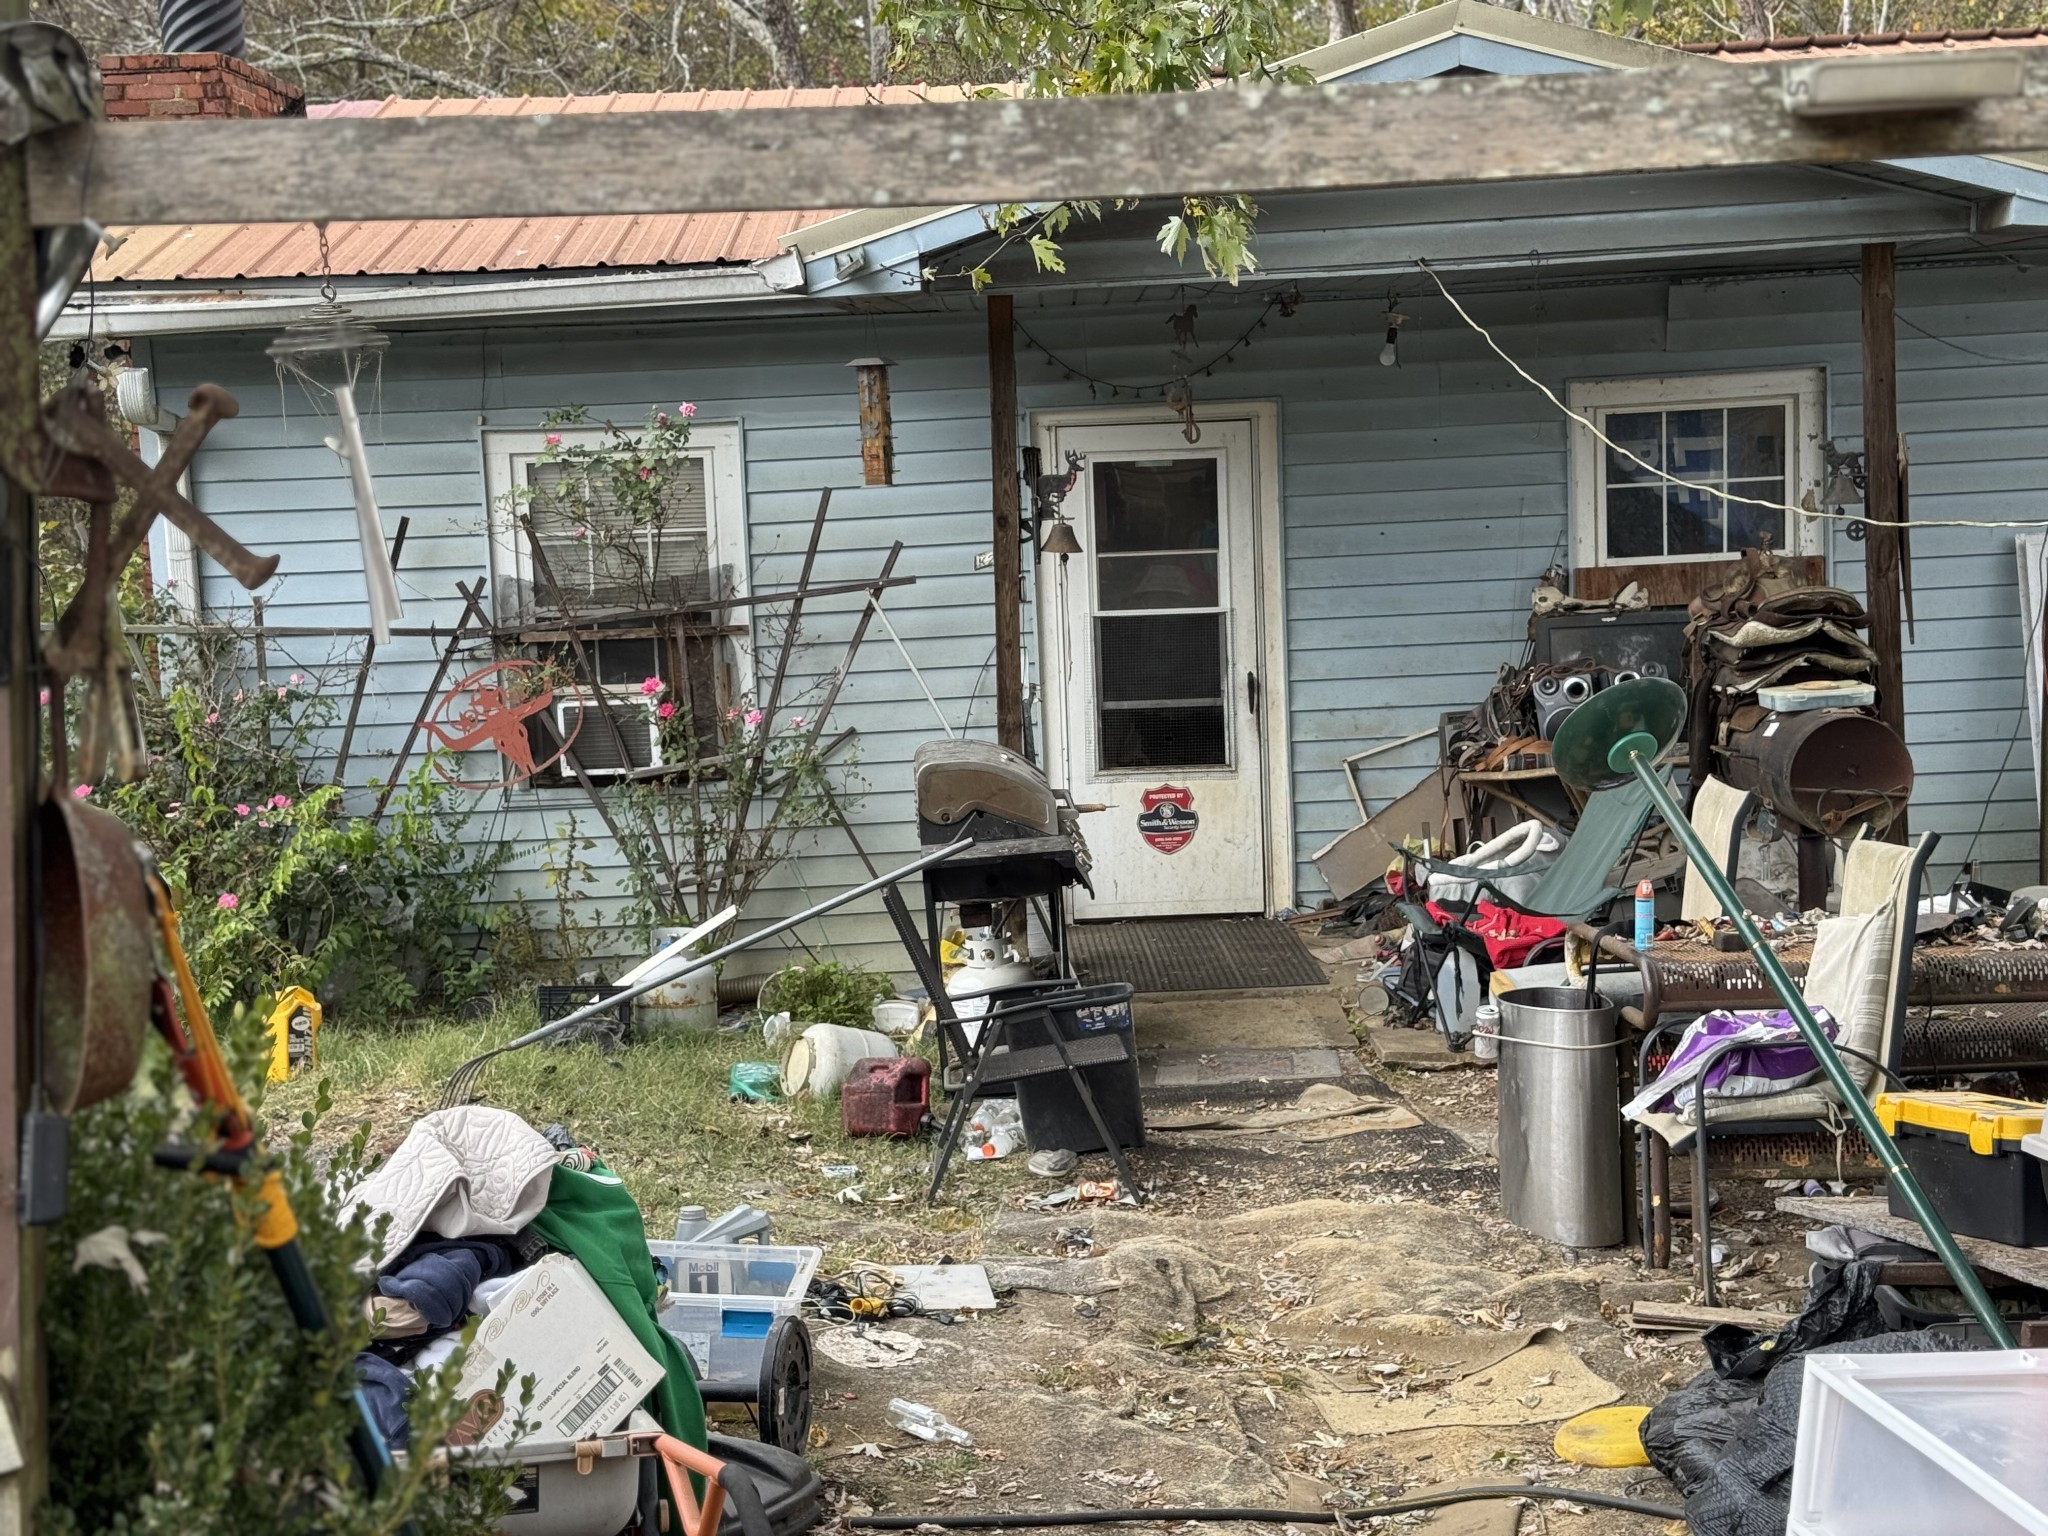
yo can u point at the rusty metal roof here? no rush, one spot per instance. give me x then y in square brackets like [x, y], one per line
[1766, 50]
[388, 248]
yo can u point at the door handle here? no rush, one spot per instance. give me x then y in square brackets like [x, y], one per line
[1251, 692]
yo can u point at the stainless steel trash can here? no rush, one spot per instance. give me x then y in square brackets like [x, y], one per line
[1560, 1116]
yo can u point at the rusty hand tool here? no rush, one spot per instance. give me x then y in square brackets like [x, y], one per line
[76, 422]
[236, 1154]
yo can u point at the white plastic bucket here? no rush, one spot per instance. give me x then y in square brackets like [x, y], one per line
[818, 1060]
[688, 1002]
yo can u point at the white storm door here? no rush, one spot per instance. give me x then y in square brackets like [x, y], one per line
[1154, 685]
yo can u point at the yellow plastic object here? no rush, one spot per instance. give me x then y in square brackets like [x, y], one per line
[294, 1033]
[1983, 1117]
[1604, 1437]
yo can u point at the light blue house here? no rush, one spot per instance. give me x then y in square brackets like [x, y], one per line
[1341, 551]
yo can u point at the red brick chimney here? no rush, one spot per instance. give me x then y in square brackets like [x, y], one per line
[194, 85]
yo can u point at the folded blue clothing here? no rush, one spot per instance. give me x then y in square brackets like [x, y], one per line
[437, 1275]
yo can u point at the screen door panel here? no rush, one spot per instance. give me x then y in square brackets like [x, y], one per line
[1154, 683]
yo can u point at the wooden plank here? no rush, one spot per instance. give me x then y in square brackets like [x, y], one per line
[1867, 1214]
[1005, 492]
[1668, 1316]
[1256, 138]
[1674, 585]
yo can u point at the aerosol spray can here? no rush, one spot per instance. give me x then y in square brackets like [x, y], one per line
[1646, 914]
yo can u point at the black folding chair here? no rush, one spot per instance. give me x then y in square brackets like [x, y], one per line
[988, 1059]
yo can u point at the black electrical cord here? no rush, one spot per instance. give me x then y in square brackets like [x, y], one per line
[1025, 1519]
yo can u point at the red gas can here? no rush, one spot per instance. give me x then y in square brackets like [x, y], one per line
[886, 1096]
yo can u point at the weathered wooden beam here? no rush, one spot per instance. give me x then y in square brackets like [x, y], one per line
[1253, 138]
[1005, 494]
[1881, 468]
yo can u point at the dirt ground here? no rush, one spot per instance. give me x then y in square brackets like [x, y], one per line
[1190, 1352]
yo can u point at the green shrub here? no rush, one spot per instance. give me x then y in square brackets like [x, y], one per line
[277, 884]
[827, 993]
[191, 1403]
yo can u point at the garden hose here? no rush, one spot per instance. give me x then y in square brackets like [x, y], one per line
[1413, 1504]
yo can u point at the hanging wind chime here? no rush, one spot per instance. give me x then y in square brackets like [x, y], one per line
[328, 352]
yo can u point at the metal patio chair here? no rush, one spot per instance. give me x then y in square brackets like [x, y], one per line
[989, 1059]
[1874, 874]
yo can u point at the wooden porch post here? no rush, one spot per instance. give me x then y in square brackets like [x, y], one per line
[1004, 492]
[22, 1390]
[1881, 466]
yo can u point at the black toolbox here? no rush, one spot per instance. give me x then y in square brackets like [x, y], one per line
[1965, 1150]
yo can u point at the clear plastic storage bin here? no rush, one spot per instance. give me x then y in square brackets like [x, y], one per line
[724, 1297]
[1918, 1445]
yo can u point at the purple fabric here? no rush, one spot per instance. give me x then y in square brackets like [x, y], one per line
[1772, 1058]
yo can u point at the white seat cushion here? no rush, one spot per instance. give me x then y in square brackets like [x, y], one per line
[1851, 977]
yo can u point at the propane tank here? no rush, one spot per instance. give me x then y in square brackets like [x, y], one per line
[987, 963]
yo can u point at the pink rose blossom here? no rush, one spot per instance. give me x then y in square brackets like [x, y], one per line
[732, 714]
[280, 802]
[241, 810]
[82, 791]
[651, 686]
[666, 711]
[284, 693]
[646, 473]
[228, 901]
[214, 718]
[686, 410]
[554, 439]
[263, 823]
[296, 678]
[754, 717]
[795, 721]
[661, 418]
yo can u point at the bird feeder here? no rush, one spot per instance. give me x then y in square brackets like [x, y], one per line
[877, 449]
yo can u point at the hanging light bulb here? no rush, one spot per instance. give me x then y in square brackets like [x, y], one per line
[1390, 354]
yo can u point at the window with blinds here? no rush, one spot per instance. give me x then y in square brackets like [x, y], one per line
[600, 556]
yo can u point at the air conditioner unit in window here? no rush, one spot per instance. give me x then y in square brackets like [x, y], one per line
[593, 744]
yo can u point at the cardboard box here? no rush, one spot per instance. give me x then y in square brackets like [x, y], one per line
[558, 1327]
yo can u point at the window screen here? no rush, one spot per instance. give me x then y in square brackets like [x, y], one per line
[1161, 634]
[601, 557]
[1741, 449]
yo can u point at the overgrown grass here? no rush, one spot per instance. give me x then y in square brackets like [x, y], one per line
[657, 1111]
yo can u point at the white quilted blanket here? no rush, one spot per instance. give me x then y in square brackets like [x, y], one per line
[466, 1172]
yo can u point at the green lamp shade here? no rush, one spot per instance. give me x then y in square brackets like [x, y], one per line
[1595, 741]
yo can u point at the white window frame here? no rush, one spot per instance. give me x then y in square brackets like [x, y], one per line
[1802, 390]
[506, 448]
[719, 444]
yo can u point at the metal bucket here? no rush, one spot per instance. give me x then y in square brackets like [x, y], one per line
[1560, 1117]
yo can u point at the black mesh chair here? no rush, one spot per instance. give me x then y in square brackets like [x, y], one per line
[987, 1056]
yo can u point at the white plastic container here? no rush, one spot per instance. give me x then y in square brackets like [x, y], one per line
[688, 1002]
[554, 1496]
[897, 1016]
[818, 1060]
[1917, 1445]
[724, 1297]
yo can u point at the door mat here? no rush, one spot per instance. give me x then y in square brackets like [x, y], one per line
[1194, 954]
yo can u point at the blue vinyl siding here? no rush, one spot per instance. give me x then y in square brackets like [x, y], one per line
[1420, 504]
